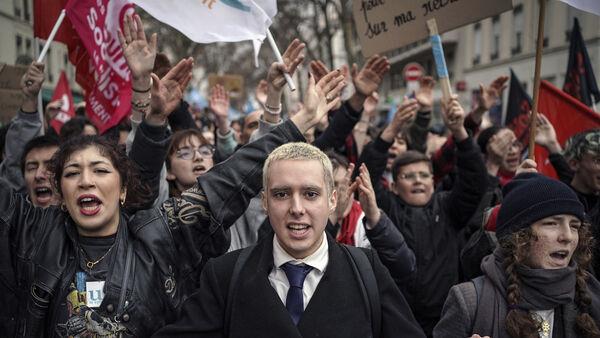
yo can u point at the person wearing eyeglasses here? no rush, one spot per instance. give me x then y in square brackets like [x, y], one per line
[189, 156]
[429, 220]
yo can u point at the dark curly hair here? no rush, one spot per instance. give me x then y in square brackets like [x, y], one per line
[129, 174]
[515, 248]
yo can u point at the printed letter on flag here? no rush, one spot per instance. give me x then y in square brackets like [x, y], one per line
[105, 77]
[63, 93]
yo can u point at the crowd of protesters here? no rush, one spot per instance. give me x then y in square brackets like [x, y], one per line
[310, 221]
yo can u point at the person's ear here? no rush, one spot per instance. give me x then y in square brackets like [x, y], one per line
[170, 176]
[394, 187]
[574, 164]
[264, 202]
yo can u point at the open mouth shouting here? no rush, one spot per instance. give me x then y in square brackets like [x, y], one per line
[298, 230]
[43, 195]
[89, 205]
[199, 169]
[561, 257]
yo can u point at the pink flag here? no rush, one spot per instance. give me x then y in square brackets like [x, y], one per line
[103, 73]
[63, 93]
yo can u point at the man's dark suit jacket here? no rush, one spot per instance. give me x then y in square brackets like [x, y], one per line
[336, 309]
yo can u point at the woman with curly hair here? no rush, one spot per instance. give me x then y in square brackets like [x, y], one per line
[536, 282]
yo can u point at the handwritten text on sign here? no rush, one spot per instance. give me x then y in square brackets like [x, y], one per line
[384, 25]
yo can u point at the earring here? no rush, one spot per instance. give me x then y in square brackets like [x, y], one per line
[122, 200]
[63, 207]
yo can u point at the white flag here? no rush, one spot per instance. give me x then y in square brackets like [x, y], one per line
[591, 6]
[206, 21]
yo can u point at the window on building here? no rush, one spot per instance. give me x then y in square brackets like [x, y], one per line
[26, 12]
[518, 24]
[477, 42]
[19, 45]
[495, 38]
[17, 8]
[29, 47]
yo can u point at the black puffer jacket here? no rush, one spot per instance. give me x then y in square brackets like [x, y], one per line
[157, 254]
[432, 231]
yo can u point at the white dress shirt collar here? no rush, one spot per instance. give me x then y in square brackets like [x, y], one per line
[318, 259]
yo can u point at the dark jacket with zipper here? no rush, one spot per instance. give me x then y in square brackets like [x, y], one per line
[158, 253]
[432, 231]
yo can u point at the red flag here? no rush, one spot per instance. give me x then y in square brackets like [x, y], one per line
[63, 93]
[105, 75]
[568, 116]
[45, 14]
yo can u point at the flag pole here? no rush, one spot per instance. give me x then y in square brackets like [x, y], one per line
[59, 21]
[287, 76]
[536, 79]
[440, 59]
[40, 103]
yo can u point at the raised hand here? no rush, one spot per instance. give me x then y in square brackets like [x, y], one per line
[52, 109]
[527, 166]
[424, 94]
[168, 91]
[261, 92]
[31, 84]
[319, 70]
[319, 98]
[499, 145]
[344, 194]
[219, 104]
[370, 105]
[454, 118]
[292, 57]
[405, 112]
[545, 135]
[138, 52]
[368, 79]
[366, 196]
[219, 101]
[490, 95]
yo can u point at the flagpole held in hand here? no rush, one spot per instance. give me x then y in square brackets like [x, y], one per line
[536, 79]
[287, 76]
[59, 21]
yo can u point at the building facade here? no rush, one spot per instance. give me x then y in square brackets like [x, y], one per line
[480, 52]
[18, 45]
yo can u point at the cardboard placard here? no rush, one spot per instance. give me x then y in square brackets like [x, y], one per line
[234, 84]
[10, 103]
[384, 25]
[10, 76]
[10, 91]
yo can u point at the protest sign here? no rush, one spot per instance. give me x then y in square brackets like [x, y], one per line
[233, 84]
[384, 25]
[10, 91]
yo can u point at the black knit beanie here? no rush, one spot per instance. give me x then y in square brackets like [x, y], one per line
[529, 197]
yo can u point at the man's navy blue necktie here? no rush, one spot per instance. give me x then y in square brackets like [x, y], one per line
[294, 301]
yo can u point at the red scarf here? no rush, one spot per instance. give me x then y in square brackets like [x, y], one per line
[346, 234]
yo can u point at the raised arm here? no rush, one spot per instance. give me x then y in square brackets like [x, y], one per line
[375, 154]
[24, 127]
[383, 235]
[467, 192]
[366, 81]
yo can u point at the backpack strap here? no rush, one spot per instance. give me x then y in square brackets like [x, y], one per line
[237, 268]
[363, 269]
